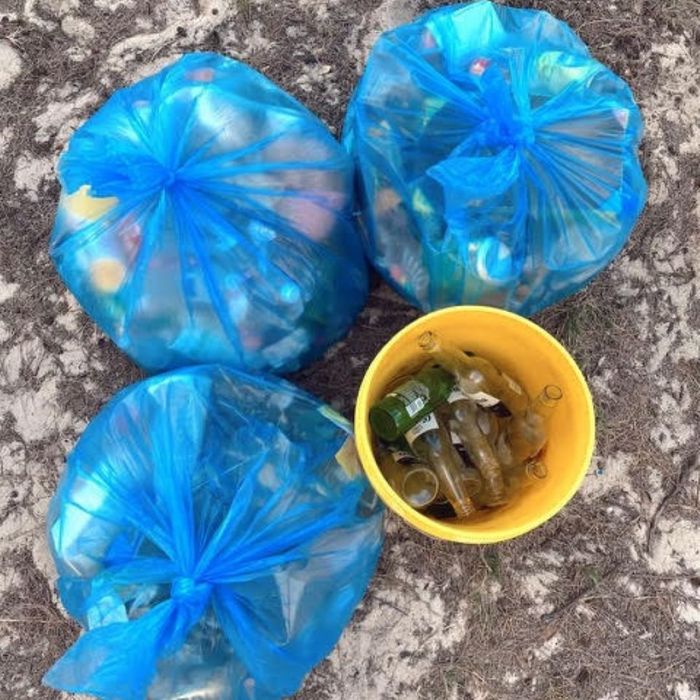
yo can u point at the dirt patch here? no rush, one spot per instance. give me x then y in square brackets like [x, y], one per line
[32, 627]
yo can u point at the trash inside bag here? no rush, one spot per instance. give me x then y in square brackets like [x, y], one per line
[497, 159]
[205, 216]
[213, 534]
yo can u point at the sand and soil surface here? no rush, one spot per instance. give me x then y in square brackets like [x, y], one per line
[603, 602]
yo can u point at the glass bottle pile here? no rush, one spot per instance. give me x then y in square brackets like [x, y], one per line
[460, 435]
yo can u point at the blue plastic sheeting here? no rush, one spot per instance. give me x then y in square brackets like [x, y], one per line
[213, 534]
[497, 159]
[206, 217]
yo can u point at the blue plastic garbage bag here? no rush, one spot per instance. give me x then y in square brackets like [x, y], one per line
[212, 533]
[497, 159]
[206, 216]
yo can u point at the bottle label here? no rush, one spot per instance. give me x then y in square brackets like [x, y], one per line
[460, 449]
[402, 457]
[501, 410]
[481, 398]
[425, 424]
[455, 395]
[414, 395]
[512, 383]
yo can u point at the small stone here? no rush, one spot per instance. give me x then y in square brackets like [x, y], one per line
[77, 29]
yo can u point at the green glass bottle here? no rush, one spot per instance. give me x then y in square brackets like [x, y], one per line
[414, 398]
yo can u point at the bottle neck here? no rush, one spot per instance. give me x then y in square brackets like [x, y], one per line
[548, 399]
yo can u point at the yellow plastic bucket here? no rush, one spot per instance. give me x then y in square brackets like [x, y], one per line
[535, 358]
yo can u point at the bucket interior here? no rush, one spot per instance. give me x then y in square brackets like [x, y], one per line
[534, 359]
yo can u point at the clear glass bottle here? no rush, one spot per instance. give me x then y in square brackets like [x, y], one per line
[430, 441]
[478, 379]
[523, 475]
[527, 434]
[411, 478]
[465, 423]
[472, 477]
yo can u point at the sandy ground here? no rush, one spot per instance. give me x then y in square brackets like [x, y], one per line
[604, 601]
